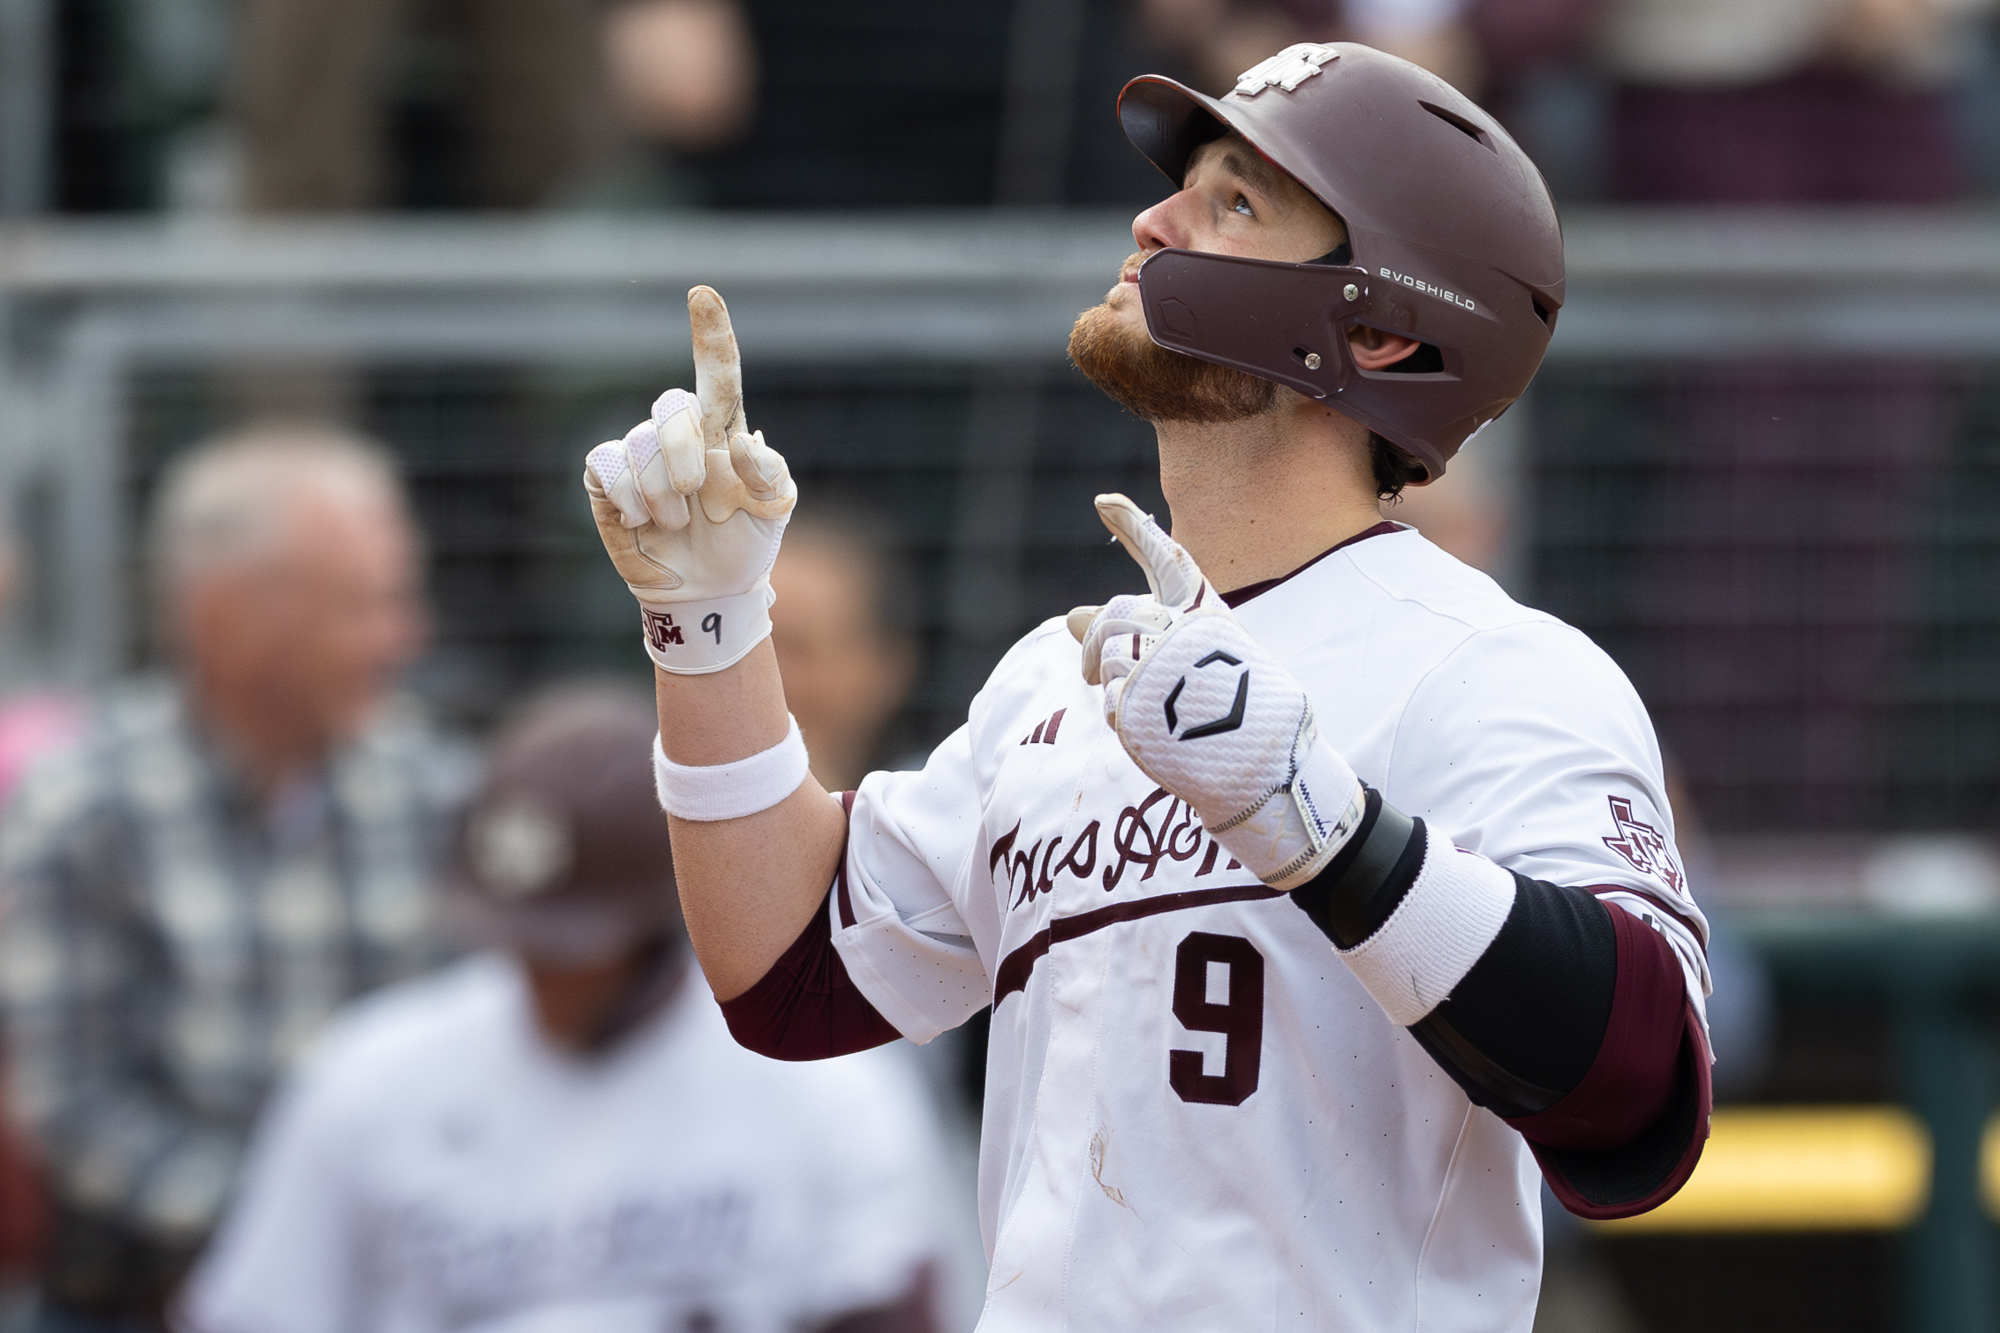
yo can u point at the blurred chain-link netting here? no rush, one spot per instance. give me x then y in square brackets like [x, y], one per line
[1796, 566]
[985, 477]
[1794, 563]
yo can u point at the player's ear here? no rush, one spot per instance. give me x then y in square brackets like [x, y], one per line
[1377, 349]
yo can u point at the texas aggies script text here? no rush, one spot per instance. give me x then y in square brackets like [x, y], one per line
[1136, 842]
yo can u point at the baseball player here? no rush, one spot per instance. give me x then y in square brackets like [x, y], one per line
[560, 1134]
[1321, 893]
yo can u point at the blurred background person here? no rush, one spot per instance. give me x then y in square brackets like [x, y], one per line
[462, 104]
[681, 71]
[33, 721]
[33, 724]
[1222, 38]
[223, 859]
[308, 100]
[682, 81]
[574, 1140]
[507, 104]
[841, 630]
[206, 106]
[1787, 101]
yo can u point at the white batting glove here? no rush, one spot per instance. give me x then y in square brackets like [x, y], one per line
[701, 571]
[1205, 712]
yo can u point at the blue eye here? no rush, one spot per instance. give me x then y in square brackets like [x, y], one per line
[1242, 206]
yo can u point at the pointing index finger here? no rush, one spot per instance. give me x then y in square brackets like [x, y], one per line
[1170, 570]
[718, 372]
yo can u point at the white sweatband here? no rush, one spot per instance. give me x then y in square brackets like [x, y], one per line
[695, 638]
[731, 791]
[1446, 921]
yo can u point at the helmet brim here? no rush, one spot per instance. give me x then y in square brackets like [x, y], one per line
[1167, 121]
[565, 928]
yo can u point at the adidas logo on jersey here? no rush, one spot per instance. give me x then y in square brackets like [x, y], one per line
[1045, 730]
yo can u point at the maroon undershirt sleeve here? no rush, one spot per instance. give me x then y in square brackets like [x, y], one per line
[1632, 1079]
[1576, 1029]
[1628, 1136]
[807, 1007]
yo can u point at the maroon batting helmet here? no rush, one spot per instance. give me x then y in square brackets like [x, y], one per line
[563, 854]
[1452, 237]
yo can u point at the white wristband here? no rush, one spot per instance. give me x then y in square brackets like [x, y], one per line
[731, 791]
[695, 638]
[1444, 924]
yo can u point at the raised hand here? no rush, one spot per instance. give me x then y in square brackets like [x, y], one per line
[700, 569]
[1205, 712]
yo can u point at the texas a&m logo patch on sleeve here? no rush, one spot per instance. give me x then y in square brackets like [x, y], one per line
[1643, 846]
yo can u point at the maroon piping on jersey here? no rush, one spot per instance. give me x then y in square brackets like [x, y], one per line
[1262, 586]
[1647, 1093]
[1018, 966]
[807, 1007]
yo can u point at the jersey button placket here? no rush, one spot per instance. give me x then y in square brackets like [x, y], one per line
[1072, 974]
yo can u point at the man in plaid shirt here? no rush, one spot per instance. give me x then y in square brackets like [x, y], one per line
[223, 860]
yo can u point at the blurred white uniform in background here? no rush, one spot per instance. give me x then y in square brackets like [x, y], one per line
[436, 1165]
[565, 1136]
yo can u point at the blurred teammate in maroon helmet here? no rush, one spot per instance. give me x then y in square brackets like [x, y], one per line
[1324, 897]
[560, 1134]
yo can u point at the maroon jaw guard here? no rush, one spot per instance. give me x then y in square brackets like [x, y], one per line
[1278, 321]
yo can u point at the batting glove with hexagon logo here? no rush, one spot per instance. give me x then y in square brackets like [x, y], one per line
[1205, 712]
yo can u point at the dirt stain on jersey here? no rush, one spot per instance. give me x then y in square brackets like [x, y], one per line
[1111, 1192]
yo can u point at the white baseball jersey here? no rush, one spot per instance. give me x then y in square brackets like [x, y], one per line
[1196, 1118]
[437, 1166]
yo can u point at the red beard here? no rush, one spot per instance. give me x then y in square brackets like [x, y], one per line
[1156, 384]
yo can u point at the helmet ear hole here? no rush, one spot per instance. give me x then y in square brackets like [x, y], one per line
[1427, 359]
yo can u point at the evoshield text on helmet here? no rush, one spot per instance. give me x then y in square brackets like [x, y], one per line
[1452, 238]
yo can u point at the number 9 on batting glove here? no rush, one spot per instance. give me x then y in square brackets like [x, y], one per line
[1205, 712]
[692, 505]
